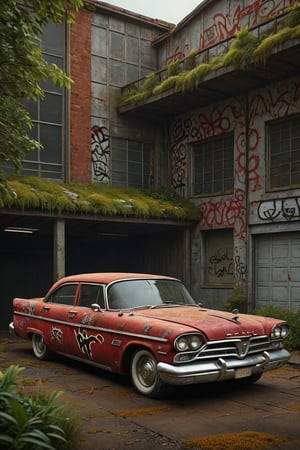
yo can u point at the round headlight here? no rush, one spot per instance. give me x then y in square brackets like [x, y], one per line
[284, 330]
[276, 332]
[280, 331]
[182, 344]
[188, 342]
[195, 342]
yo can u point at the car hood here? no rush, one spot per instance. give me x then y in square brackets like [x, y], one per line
[213, 323]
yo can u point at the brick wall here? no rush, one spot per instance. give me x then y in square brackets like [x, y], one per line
[80, 136]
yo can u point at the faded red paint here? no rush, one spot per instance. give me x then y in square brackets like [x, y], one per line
[81, 99]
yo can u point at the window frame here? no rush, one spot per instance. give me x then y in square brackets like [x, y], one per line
[145, 173]
[277, 126]
[34, 164]
[102, 300]
[52, 298]
[203, 147]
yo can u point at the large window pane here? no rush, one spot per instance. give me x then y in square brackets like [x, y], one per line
[51, 140]
[51, 109]
[284, 153]
[48, 113]
[213, 166]
[130, 163]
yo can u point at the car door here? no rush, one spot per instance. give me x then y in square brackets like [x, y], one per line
[55, 311]
[88, 336]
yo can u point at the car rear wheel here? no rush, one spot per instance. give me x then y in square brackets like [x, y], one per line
[39, 347]
[145, 376]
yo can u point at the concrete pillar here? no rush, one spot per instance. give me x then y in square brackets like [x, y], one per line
[59, 249]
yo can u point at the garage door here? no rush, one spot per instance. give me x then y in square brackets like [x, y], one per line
[277, 271]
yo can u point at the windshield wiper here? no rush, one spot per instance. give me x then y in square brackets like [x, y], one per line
[142, 307]
[167, 304]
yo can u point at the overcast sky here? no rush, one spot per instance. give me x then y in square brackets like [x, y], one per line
[170, 10]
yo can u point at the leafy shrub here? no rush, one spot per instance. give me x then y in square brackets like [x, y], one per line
[32, 423]
[237, 300]
[292, 342]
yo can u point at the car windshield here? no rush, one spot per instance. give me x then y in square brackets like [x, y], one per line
[147, 293]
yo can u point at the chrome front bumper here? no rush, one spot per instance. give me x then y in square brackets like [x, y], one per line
[221, 369]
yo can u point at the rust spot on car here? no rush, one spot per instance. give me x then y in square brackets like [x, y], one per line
[147, 328]
[165, 333]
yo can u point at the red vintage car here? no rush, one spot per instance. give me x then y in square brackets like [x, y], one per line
[150, 327]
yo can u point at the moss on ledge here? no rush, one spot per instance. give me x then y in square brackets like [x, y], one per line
[34, 193]
[246, 49]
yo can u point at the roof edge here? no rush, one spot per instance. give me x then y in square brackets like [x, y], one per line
[115, 10]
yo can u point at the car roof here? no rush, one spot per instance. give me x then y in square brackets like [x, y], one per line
[108, 277]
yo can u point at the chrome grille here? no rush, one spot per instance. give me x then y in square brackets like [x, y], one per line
[237, 347]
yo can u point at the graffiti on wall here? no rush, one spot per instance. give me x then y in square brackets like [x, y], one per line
[204, 125]
[279, 210]
[224, 213]
[240, 267]
[100, 154]
[179, 53]
[227, 21]
[235, 18]
[220, 264]
[264, 105]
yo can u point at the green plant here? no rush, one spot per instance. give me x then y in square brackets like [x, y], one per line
[245, 49]
[265, 48]
[150, 82]
[173, 68]
[91, 199]
[168, 83]
[32, 422]
[292, 342]
[237, 300]
[193, 78]
[241, 50]
[293, 18]
[190, 61]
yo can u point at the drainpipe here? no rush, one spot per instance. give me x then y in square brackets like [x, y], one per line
[247, 239]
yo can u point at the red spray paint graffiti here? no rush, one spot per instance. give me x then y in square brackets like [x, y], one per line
[226, 24]
[228, 213]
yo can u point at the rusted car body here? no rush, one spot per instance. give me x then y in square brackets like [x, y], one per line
[148, 326]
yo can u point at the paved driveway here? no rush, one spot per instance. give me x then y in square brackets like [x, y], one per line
[114, 416]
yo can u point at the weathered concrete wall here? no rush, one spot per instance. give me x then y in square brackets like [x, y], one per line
[215, 23]
[250, 203]
[279, 101]
[121, 53]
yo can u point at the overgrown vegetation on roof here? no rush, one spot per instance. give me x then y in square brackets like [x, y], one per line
[35, 193]
[246, 49]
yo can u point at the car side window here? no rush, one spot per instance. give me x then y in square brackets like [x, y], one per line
[64, 295]
[91, 293]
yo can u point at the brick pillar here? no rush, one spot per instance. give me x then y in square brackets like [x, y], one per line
[80, 98]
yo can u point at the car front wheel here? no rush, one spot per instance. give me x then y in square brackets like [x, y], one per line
[39, 347]
[145, 376]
